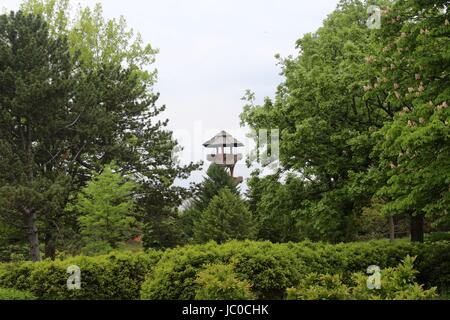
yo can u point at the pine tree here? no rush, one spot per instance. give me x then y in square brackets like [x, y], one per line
[36, 81]
[216, 180]
[227, 217]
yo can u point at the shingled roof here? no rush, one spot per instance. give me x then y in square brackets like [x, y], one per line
[223, 139]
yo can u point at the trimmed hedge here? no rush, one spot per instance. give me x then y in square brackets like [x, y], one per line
[269, 268]
[117, 276]
[272, 268]
[13, 294]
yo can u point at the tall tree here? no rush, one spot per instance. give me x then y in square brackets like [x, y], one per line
[117, 118]
[414, 148]
[325, 122]
[363, 116]
[36, 109]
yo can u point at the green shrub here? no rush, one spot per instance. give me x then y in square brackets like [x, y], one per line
[113, 276]
[271, 268]
[220, 282]
[434, 265]
[13, 294]
[396, 284]
[320, 287]
[437, 236]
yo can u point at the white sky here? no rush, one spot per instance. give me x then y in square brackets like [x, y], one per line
[211, 51]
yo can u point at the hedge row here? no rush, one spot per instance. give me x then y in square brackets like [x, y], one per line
[13, 294]
[269, 268]
[114, 276]
[272, 268]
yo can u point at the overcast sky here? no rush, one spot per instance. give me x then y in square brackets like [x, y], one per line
[211, 51]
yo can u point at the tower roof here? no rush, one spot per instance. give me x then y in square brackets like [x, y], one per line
[223, 139]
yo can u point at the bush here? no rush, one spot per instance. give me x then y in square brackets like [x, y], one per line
[437, 236]
[320, 287]
[114, 276]
[396, 284]
[434, 265]
[272, 268]
[13, 294]
[220, 282]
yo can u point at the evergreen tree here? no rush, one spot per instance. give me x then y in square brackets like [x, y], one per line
[227, 217]
[106, 209]
[217, 179]
[36, 110]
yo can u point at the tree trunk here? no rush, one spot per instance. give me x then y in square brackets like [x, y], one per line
[417, 228]
[30, 214]
[33, 239]
[50, 245]
[391, 228]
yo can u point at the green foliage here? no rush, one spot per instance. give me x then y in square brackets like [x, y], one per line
[414, 147]
[363, 114]
[96, 247]
[107, 209]
[216, 180]
[12, 294]
[36, 85]
[226, 218]
[435, 273]
[227, 269]
[95, 40]
[163, 232]
[320, 287]
[272, 268]
[117, 276]
[272, 203]
[397, 283]
[437, 236]
[76, 95]
[325, 125]
[219, 282]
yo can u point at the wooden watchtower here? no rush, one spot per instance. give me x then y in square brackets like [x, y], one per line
[219, 142]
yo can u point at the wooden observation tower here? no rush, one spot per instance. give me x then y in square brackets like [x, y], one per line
[219, 142]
